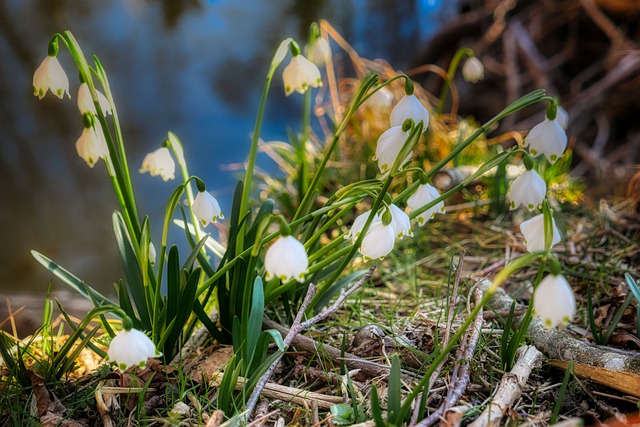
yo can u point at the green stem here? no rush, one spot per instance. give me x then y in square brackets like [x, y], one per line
[306, 200]
[453, 67]
[511, 268]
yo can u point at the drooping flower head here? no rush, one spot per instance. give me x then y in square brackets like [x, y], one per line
[159, 162]
[91, 145]
[379, 239]
[410, 107]
[318, 51]
[206, 208]
[381, 99]
[131, 347]
[400, 222]
[389, 145]
[425, 194]
[547, 138]
[50, 76]
[553, 300]
[528, 190]
[473, 70]
[85, 102]
[300, 74]
[286, 259]
[534, 233]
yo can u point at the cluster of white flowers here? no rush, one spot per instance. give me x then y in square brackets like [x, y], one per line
[553, 299]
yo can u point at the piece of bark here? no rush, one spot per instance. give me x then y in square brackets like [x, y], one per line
[510, 388]
[626, 382]
[559, 344]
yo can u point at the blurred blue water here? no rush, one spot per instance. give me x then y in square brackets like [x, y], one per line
[193, 67]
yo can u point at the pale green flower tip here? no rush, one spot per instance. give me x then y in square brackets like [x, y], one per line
[122, 366]
[533, 151]
[553, 158]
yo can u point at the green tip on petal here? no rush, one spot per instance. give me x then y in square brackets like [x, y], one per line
[553, 158]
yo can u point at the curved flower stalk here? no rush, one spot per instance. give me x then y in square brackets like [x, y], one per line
[159, 162]
[50, 76]
[553, 300]
[533, 230]
[425, 194]
[528, 190]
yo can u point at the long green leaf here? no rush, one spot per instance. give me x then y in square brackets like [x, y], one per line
[254, 326]
[174, 283]
[71, 280]
[131, 266]
[394, 392]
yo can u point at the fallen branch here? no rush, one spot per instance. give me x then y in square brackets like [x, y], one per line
[510, 388]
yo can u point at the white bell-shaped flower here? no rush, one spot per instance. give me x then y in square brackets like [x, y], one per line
[410, 107]
[286, 259]
[91, 146]
[300, 75]
[85, 102]
[159, 162]
[130, 348]
[553, 300]
[380, 99]
[425, 193]
[528, 190]
[533, 232]
[473, 70]
[318, 52]
[400, 222]
[378, 241]
[206, 208]
[389, 146]
[547, 138]
[358, 225]
[50, 76]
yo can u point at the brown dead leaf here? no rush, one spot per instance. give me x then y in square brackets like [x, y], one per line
[212, 365]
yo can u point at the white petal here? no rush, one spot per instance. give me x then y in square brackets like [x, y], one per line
[425, 194]
[528, 190]
[562, 117]
[382, 98]
[359, 223]
[318, 52]
[85, 102]
[91, 146]
[286, 259]
[130, 348]
[159, 162]
[282, 50]
[389, 146]
[50, 76]
[410, 107]
[400, 222]
[547, 138]
[378, 241]
[300, 75]
[473, 70]
[533, 231]
[206, 208]
[553, 300]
